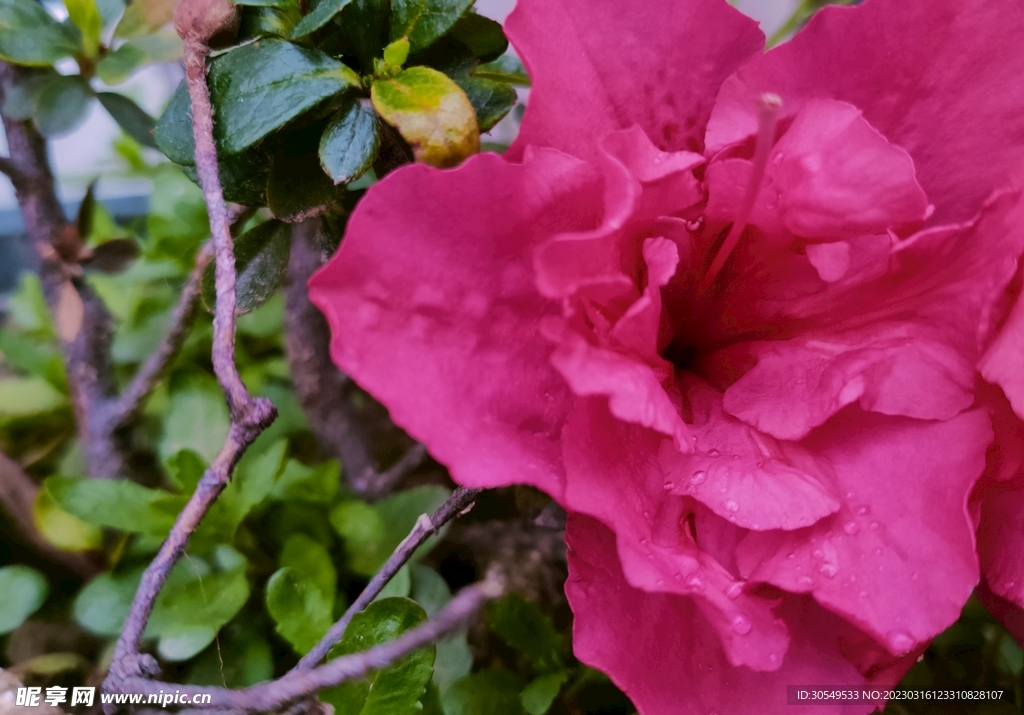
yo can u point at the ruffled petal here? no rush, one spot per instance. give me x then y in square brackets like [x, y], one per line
[1003, 362]
[921, 72]
[660, 649]
[601, 65]
[434, 311]
[906, 485]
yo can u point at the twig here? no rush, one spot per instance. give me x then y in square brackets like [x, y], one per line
[249, 415]
[18, 494]
[7, 167]
[272, 695]
[461, 499]
[133, 396]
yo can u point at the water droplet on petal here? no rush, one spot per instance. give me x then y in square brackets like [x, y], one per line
[899, 642]
[732, 506]
[734, 590]
[863, 511]
[818, 554]
[772, 658]
[828, 570]
[791, 555]
[851, 495]
[693, 226]
[852, 528]
[874, 526]
[741, 624]
[695, 582]
[698, 477]
[647, 515]
[863, 594]
[713, 453]
[667, 486]
[1008, 585]
[878, 551]
[805, 581]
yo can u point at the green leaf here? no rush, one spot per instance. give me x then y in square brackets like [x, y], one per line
[397, 53]
[22, 591]
[423, 21]
[504, 69]
[132, 118]
[318, 485]
[350, 143]
[177, 221]
[258, 88]
[491, 99]
[397, 689]
[62, 529]
[262, 3]
[63, 105]
[185, 469]
[527, 629]
[142, 17]
[119, 504]
[103, 604]
[310, 558]
[454, 659]
[261, 259]
[299, 608]
[119, 65]
[22, 94]
[538, 696]
[193, 605]
[33, 356]
[86, 16]
[489, 692]
[480, 34]
[254, 480]
[431, 112]
[366, 24]
[196, 419]
[371, 533]
[298, 189]
[26, 396]
[263, 21]
[320, 15]
[173, 131]
[30, 36]
[400, 585]
[242, 658]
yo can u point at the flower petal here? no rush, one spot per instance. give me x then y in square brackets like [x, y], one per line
[602, 65]
[433, 309]
[1003, 362]
[906, 486]
[687, 671]
[921, 72]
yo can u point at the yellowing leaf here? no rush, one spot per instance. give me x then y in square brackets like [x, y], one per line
[431, 112]
[144, 16]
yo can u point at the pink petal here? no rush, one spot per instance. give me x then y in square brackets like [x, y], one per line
[1003, 362]
[1001, 542]
[906, 485]
[940, 79]
[433, 310]
[660, 649]
[602, 65]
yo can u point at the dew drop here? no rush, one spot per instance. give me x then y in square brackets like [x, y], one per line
[695, 582]
[818, 554]
[714, 453]
[805, 581]
[878, 551]
[772, 658]
[667, 486]
[695, 225]
[791, 555]
[734, 590]
[1009, 585]
[899, 642]
[863, 511]
[863, 594]
[647, 515]
[741, 625]
[698, 477]
[852, 528]
[732, 506]
[643, 542]
[851, 495]
[829, 570]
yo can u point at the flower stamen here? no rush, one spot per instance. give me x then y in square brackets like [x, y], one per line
[768, 106]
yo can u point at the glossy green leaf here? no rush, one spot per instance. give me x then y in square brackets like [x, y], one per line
[310, 558]
[316, 485]
[538, 696]
[63, 105]
[119, 65]
[194, 605]
[261, 259]
[454, 659]
[423, 21]
[63, 529]
[321, 13]
[196, 419]
[397, 689]
[25, 396]
[504, 69]
[85, 14]
[263, 21]
[119, 504]
[258, 88]
[173, 131]
[22, 592]
[301, 612]
[491, 99]
[489, 692]
[480, 34]
[142, 17]
[103, 604]
[431, 112]
[110, 10]
[31, 36]
[527, 629]
[350, 143]
[242, 658]
[366, 25]
[298, 189]
[130, 117]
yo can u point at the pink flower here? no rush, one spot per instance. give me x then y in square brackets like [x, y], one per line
[728, 309]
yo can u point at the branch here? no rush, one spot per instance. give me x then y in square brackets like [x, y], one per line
[273, 695]
[460, 500]
[249, 415]
[18, 492]
[325, 392]
[134, 395]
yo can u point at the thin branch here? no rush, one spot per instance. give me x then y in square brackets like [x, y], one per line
[460, 500]
[8, 167]
[18, 492]
[132, 398]
[273, 695]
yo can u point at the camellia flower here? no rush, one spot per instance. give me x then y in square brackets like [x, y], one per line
[729, 309]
